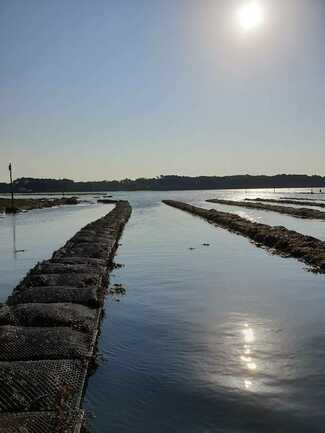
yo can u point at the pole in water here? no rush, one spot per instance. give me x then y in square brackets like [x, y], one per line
[12, 187]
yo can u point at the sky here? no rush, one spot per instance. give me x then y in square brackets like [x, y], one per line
[107, 89]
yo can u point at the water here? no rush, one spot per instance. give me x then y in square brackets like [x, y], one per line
[225, 338]
[29, 237]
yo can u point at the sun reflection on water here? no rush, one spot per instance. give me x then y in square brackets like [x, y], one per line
[247, 356]
[248, 334]
[248, 383]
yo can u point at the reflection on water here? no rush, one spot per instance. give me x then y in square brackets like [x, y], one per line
[14, 247]
[223, 339]
[28, 237]
[247, 358]
[212, 339]
[248, 334]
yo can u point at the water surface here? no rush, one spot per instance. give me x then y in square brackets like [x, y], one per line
[221, 338]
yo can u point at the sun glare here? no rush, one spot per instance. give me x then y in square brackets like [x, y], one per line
[250, 16]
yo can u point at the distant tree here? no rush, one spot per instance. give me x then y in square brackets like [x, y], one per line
[166, 182]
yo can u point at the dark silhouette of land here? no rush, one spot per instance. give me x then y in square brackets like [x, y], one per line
[25, 204]
[165, 183]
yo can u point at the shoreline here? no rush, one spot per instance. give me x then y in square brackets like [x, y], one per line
[22, 204]
[100, 191]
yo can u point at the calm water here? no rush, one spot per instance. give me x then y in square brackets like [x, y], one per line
[29, 237]
[225, 338]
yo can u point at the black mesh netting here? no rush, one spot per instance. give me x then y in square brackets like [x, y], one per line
[76, 260]
[42, 422]
[23, 343]
[76, 316]
[50, 267]
[84, 296]
[64, 279]
[41, 385]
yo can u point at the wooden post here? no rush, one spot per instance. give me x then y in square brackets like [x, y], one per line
[11, 187]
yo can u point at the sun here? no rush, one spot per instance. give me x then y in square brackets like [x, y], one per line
[251, 16]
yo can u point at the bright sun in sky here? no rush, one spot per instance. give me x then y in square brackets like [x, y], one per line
[251, 16]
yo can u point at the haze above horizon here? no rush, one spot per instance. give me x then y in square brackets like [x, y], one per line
[108, 90]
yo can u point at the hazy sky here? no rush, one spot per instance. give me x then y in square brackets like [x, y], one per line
[104, 89]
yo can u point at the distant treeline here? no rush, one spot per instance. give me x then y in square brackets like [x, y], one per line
[164, 183]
